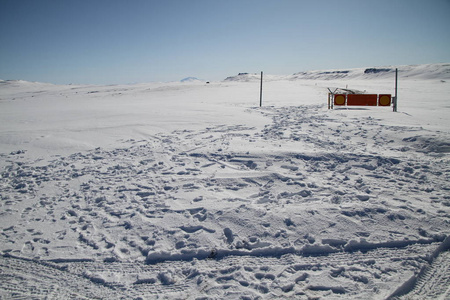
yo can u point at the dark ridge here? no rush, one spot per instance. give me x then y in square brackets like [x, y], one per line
[335, 72]
[375, 70]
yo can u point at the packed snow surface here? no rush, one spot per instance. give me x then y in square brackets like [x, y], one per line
[189, 190]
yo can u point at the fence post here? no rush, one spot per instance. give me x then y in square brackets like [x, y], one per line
[394, 107]
[260, 91]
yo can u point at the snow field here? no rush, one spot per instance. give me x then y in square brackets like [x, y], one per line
[188, 190]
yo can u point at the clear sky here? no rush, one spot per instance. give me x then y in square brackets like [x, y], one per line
[128, 41]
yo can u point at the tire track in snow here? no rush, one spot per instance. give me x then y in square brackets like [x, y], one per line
[433, 281]
[263, 276]
[25, 279]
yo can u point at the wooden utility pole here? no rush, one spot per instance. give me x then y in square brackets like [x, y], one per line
[260, 91]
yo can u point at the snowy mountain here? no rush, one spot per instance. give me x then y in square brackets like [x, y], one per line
[431, 71]
[190, 79]
[428, 71]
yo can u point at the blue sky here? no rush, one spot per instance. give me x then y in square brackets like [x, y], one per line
[128, 41]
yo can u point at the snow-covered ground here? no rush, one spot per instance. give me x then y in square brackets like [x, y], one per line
[189, 190]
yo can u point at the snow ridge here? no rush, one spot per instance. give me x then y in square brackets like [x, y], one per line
[422, 72]
[430, 71]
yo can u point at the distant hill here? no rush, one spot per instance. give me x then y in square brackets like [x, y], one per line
[244, 77]
[426, 71]
[190, 79]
